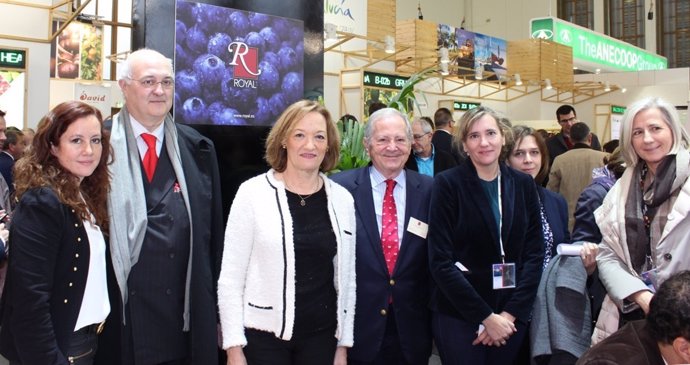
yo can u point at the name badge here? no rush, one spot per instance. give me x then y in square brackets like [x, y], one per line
[503, 275]
[417, 227]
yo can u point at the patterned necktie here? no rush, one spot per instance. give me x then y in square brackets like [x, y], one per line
[389, 227]
[150, 158]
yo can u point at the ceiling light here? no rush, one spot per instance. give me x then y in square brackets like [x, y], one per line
[478, 72]
[623, 90]
[331, 31]
[444, 55]
[607, 86]
[547, 84]
[597, 71]
[518, 80]
[390, 44]
[444, 69]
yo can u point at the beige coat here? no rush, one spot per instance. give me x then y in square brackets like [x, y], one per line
[671, 253]
[571, 173]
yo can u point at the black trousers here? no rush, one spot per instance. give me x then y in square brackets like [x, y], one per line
[264, 348]
[82, 346]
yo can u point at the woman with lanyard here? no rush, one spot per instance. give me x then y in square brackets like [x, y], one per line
[56, 295]
[644, 217]
[485, 281]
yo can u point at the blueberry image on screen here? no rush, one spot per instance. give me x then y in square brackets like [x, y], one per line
[292, 86]
[227, 116]
[255, 40]
[278, 103]
[259, 21]
[288, 59]
[218, 46]
[240, 24]
[194, 110]
[196, 40]
[185, 12]
[262, 111]
[208, 17]
[211, 94]
[272, 39]
[269, 79]
[236, 97]
[271, 58]
[281, 26]
[210, 69]
[182, 58]
[180, 31]
[187, 84]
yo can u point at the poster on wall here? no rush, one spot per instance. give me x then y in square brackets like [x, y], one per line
[77, 52]
[347, 15]
[490, 55]
[97, 96]
[12, 86]
[235, 67]
[465, 49]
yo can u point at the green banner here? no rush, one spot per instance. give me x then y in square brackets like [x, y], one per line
[465, 105]
[596, 48]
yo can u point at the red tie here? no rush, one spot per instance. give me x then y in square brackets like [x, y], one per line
[389, 227]
[150, 158]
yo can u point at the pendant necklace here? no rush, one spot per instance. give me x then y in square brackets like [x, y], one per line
[302, 198]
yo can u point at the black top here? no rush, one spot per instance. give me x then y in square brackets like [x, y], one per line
[315, 249]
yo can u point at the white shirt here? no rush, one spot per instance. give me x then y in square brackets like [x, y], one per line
[95, 306]
[378, 189]
[138, 129]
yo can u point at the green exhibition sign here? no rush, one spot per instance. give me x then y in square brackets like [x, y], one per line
[615, 109]
[596, 48]
[12, 58]
[465, 105]
[382, 80]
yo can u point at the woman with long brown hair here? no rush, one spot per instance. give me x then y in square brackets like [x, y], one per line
[56, 296]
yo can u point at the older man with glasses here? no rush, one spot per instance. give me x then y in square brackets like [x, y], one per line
[166, 227]
[425, 158]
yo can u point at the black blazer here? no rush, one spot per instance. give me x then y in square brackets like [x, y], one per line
[6, 165]
[463, 229]
[442, 161]
[409, 284]
[46, 279]
[198, 157]
[443, 141]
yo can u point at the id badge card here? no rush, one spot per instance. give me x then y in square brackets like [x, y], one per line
[504, 275]
[650, 278]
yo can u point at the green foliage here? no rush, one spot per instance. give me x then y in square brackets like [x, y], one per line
[352, 152]
[404, 100]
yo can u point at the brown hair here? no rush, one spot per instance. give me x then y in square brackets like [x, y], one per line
[519, 133]
[40, 168]
[276, 155]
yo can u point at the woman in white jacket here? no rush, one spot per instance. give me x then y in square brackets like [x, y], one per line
[643, 219]
[286, 291]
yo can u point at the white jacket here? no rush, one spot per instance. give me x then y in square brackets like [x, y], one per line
[256, 288]
[671, 254]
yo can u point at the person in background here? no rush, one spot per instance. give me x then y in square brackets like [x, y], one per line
[663, 337]
[425, 158]
[561, 142]
[287, 287]
[443, 134]
[611, 145]
[56, 295]
[484, 228]
[376, 106]
[644, 218]
[12, 149]
[392, 323]
[572, 171]
[29, 134]
[167, 227]
[3, 126]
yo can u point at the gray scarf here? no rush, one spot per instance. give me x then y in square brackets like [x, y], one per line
[127, 201]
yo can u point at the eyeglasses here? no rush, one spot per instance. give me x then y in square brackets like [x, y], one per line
[150, 83]
[417, 137]
[569, 120]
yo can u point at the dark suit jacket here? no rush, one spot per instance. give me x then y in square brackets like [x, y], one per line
[6, 165]
[462, 229]
[443, 141]
[409, 285]
[442, 161]
[201, 174]
[46, 279]
[557, 146]
[556, 210]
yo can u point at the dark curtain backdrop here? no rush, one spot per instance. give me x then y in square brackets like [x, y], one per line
[240, 149]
